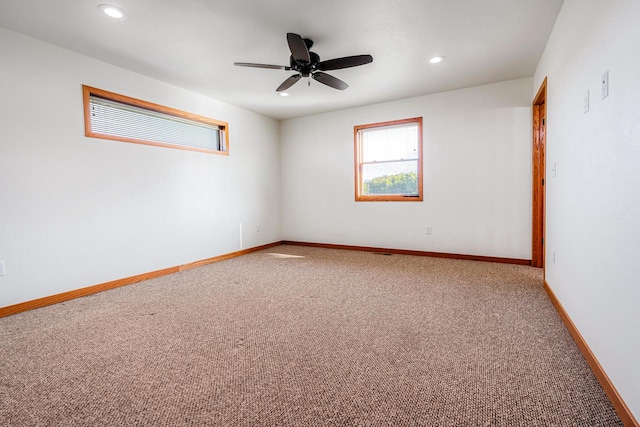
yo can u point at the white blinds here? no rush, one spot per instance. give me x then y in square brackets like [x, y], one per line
[125, 121]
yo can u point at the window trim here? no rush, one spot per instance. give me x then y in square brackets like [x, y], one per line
[88, 91]
[358, 164]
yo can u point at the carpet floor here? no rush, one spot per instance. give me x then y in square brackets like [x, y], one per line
[299, 336]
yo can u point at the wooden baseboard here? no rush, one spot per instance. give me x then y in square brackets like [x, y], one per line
[89, 290]
[616, 400]
[411, 252]
[227, 256]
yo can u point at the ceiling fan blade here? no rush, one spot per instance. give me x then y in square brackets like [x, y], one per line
[249, 64]
[346, 62]
[288, 83]
[329, 80]
[298, 48]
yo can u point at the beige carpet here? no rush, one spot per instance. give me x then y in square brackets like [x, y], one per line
[297, 336]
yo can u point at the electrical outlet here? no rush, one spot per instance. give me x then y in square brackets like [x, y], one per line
[257, 228]
[605, 84]
[428, 230]
[2, 270]
[586, 101]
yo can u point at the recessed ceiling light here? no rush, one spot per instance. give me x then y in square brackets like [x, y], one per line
[436, 59]
[284, 94]
[112, 11]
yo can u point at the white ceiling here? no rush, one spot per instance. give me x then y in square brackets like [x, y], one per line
[194, 43]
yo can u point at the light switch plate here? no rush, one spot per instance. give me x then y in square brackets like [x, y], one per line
[2, 271]
[605, 84]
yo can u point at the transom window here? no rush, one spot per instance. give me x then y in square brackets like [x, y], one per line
[388, 161]
[109, 115]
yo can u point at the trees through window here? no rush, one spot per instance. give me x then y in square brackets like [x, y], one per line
[388, 161]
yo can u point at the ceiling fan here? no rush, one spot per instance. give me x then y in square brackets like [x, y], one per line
[307, 64]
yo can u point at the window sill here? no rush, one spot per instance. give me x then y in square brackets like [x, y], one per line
[389, 198]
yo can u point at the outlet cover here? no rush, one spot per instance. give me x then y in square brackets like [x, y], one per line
[605, 84]
[2, 271]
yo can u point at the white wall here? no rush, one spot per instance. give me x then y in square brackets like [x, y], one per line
[77, 211]
[593, 203]
[477, 176]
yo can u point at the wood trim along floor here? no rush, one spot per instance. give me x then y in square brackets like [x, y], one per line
[77, 293]
[616, 400]
[412, 252]
[89, 290]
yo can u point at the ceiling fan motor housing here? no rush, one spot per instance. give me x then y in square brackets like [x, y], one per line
[304, 68]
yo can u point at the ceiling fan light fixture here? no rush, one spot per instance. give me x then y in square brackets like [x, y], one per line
[284, 94]
[436, 59]
[112, 11]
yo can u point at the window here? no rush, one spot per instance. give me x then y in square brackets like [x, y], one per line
[388, 161]
[121, 118]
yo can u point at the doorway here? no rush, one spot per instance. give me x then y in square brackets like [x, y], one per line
[538, 181]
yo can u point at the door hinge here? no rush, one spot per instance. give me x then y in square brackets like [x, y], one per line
[544, 120]
[542, 181]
